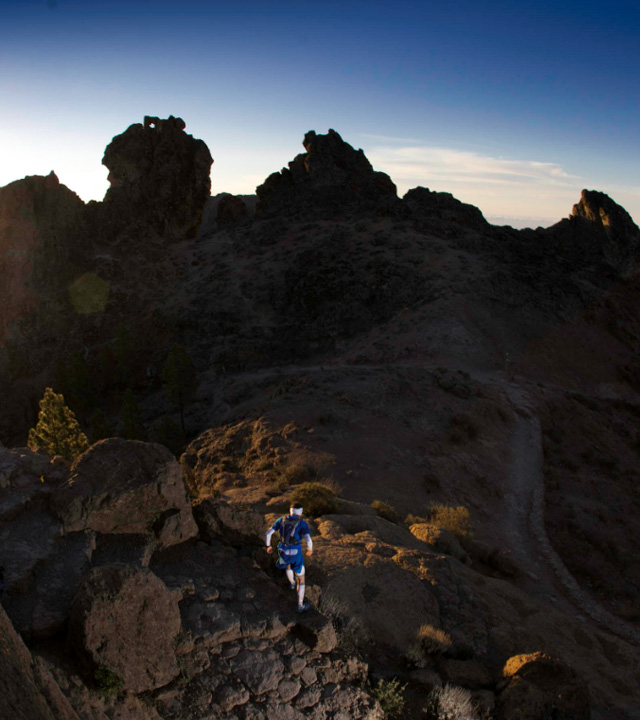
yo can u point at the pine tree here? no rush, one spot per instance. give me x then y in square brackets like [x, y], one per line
[57, 431]
[132, 425]
[180, 378]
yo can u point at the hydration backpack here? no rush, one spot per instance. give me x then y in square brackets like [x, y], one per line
[287, 532]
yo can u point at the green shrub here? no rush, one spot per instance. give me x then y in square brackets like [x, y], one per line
[108, 682]
[297, 473]
[453, 519]
[386, 511]
[316, 498]
[390, 695]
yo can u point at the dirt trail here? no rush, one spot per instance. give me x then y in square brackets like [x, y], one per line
[525, 524]
[546, 576]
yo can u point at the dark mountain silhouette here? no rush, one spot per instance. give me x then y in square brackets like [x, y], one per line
[402, 351]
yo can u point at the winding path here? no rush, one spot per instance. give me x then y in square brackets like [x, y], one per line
[527, 527]
[545, 571]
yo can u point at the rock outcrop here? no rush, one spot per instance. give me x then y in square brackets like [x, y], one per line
[40, 220]
[159, 177]
[329, 178]
[598, 231]
[27, 690]
[125, 619]
[125, 487]
[538, 685]
[441, 209]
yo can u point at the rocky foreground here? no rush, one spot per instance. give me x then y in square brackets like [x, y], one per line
[134, 609]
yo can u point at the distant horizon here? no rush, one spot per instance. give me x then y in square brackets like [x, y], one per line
[513, 108]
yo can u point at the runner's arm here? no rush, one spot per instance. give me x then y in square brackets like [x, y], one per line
[309, 541]
[270, 532]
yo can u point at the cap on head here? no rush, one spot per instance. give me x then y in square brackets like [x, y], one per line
[296, 509]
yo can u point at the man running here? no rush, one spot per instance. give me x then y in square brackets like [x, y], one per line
[292, 528]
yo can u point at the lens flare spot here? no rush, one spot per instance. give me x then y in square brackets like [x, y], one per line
[89, 294]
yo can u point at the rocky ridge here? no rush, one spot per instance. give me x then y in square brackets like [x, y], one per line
[396, 346]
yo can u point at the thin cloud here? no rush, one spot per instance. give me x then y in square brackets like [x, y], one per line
[500, 187]
[426, 163]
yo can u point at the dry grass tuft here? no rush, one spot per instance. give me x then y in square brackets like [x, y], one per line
[453, 519]
[433, 640]
[386, 511]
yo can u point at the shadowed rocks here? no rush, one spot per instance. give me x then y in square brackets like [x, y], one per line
[330, 177]
[159, 177]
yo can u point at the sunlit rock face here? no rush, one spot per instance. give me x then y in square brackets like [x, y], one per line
[330, 177]
[600, 230]
[159, 177]
[39, 229]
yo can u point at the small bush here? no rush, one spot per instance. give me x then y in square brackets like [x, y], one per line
[316, 498]
[433, 640]
[450, 703]
[298, 473]
[454, 519]
[385, 511]
[107, 681]
[414, 520]
[390, 695]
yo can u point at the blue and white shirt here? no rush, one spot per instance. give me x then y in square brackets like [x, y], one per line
[301, 531]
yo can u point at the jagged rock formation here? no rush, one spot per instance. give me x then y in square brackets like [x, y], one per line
[329, 178]
[442, 209]
[159, 177]
[599, 230]
[40, 227]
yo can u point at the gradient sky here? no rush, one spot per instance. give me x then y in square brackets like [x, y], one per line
[511, 106]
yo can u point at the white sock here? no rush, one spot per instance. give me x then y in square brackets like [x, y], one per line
[290, 577]
[300, 591]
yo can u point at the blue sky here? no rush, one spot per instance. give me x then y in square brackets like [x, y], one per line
[514, 107]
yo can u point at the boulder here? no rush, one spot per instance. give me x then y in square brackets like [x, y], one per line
[127, 621]
[159, 177]
[539, 686]
[127, 487]
[317, 631]
[329, 177]
[26, 690]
